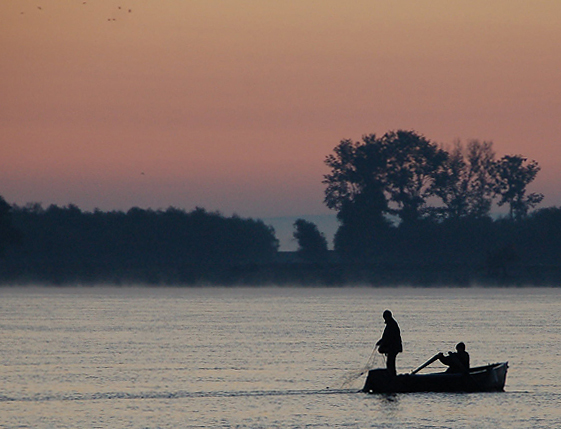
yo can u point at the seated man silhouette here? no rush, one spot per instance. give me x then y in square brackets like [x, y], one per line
[457, 362]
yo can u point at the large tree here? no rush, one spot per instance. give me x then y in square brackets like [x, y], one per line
[355, 168]
[413, 164]
[397, 171]
[513, 174]
[465, 184]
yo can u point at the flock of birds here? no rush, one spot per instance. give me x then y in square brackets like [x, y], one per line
[84, 3]
[118, 7]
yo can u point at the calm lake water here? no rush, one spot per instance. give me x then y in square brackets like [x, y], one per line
[267, 357]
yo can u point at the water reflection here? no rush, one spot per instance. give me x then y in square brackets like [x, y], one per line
[389, 406]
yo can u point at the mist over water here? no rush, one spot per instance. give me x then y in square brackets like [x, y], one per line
[268, 357]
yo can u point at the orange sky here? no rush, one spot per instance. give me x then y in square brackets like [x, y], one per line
[233, 105]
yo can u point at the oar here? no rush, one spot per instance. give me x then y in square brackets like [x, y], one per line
[427, 363]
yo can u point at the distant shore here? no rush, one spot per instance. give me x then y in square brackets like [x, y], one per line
[289, 270]
[67, 246]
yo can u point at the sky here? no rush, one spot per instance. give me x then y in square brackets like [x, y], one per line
[233, 105]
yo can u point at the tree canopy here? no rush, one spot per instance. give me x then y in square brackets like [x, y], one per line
[466, 183]
[63, 244]
[397, 170]
[513, 174]
[404, 176]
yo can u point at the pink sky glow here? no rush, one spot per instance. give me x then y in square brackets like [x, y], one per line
[233, 105]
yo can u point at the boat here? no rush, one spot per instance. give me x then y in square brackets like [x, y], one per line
[488, 378]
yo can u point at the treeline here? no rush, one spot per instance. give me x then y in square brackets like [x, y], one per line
[410, 211]
[392, 190]
[468, 251]
[407, 204]
[64, 245]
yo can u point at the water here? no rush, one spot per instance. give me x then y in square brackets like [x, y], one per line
[270, 357]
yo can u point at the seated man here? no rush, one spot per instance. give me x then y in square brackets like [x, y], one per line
[457, 362]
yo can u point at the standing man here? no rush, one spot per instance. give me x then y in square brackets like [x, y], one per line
[390, 343]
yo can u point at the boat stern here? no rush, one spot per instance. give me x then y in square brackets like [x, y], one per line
[379, 381]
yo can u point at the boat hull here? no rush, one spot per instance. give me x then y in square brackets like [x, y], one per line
[489, 378]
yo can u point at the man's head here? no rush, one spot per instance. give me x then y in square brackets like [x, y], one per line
[387, 315]
[461, 347]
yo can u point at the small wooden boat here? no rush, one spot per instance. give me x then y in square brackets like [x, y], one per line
[488, 378]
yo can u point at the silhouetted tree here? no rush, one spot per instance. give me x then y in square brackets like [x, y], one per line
[356, 167]
[312, 244]
[369, 180]
[64, 244]
[398, 169]
[413, 164]
[465, 184]
[364, 227]
[513, 174]
[355, 188]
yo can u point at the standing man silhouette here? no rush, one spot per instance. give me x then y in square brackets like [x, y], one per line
[390, 343]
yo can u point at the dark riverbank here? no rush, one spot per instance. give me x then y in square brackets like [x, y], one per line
[67, 246]
[289, 270]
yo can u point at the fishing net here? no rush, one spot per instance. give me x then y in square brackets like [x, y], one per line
[376, 360]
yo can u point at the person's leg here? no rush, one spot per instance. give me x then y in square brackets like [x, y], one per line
[390, 363]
